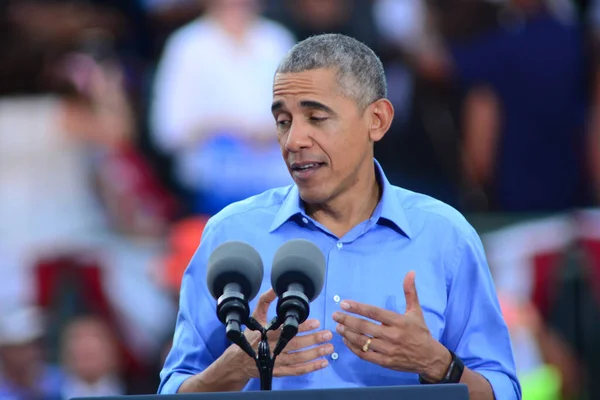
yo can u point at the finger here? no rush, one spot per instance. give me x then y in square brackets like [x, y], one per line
[306, 326]
[299, 369]
[301, 342]
[371, 356]
[273, 335]
[252, 336]
[309, 325]
[358, 325]
[262, 307]
[410, 294]
[303, 356]
[374, 313]
[358, 340]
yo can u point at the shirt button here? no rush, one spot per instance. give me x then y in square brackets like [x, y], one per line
[336, 298]
[340, 245]
[334, 356]
[304, 220]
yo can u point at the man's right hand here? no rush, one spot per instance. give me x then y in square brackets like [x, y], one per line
[234, 368]
[296, 358]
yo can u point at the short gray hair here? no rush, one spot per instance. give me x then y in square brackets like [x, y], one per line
[359, 71]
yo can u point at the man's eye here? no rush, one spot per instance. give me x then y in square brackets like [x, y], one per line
[283, 122]
[318, 119]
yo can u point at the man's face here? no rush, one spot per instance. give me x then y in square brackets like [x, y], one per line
[324, 136]
[88, 350]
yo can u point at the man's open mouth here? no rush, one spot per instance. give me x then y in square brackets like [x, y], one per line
[306, 167]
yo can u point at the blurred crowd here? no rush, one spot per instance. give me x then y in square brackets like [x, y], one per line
[126, 124]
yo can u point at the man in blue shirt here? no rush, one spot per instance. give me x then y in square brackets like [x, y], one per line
[408, 295]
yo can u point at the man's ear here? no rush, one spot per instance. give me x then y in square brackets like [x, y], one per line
[381, 114]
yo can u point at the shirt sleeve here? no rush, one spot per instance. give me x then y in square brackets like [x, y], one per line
[199, 337]
[475, 328]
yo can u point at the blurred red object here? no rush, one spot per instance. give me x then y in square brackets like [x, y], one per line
[136, 200]
[590, 242]
[546, 266]
[184, 238]
[519, 315]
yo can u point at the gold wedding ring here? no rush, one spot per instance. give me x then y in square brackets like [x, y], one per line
[365, 348]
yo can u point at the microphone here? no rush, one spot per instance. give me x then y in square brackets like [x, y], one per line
[297, 277]
[234, 276]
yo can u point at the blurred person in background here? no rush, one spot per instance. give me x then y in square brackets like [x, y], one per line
[210, 108]
[593, 22]
[24, 373]
[550, 292]
[529, 145]
[539, 379]
[524, 120]
[90, 360]
[420, 151]
[67, 110]
[72, 185]
[166, 16]
[306, 18]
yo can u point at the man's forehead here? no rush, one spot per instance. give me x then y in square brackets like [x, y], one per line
[316, 78]
[307, 85]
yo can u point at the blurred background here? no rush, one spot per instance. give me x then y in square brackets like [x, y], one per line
[125, 124]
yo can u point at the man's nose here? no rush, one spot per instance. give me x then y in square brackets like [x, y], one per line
[298, 138]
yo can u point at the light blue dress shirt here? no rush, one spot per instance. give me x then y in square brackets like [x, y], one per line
[408, 231]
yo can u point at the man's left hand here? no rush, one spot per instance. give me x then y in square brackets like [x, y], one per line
[400, 342]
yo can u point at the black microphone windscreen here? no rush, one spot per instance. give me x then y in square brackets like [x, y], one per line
[298, 261]
[235, 262]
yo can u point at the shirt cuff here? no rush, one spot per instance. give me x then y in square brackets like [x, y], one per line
[172, 384]
[503, 387]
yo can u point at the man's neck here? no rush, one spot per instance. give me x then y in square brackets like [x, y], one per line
[351, 208]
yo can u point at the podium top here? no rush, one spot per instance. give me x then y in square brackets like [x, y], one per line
[416, 392]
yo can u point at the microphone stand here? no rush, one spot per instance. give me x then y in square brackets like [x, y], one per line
[233, 310]
[265, 362]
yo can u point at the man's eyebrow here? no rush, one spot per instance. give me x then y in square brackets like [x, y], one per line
[310, 104]
[276, 106]
[315, 105]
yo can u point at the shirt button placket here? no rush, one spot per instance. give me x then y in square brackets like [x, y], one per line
[334, 270]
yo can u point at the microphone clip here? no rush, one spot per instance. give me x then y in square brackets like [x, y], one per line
[292, 310]
[293, 307]
[233, 311]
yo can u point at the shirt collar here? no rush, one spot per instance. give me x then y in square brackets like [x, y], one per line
[389, 207]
